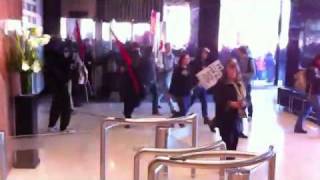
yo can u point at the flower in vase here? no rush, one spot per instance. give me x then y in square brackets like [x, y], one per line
[36, 67]
[25, 66]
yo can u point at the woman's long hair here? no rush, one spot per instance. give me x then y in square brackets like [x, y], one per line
[182, 56]
[232, 62]
[314, 62]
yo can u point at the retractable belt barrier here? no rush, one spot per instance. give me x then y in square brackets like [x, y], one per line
[162, 126]
[233, 169]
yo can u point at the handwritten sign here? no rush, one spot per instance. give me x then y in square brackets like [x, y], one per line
[209, 76]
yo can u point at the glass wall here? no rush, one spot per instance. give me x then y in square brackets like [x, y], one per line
[177, 20]
[255, 23]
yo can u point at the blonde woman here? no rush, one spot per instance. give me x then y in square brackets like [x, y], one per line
[231, 104]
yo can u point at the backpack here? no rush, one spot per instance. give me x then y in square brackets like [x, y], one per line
[300, 81]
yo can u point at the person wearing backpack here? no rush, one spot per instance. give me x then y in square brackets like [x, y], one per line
[312, 93]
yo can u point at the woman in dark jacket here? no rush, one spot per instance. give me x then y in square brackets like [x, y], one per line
[230, 104]
[181, 85]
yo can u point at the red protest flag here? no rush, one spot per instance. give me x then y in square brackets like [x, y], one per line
[77, 35]
[128, 60]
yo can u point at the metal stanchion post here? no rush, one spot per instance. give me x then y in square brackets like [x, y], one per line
[3, 157]
[161, 141]
[195, 135]
[238, 174]
[272, 168]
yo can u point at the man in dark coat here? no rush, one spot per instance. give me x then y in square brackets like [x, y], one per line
[198, 65]
[60, 75]
[148, 76]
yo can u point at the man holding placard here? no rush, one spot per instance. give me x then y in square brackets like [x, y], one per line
[200, 92]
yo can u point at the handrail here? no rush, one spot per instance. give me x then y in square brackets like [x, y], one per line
[154, 120]
[110, 123]
[269, 156]
[170, 152]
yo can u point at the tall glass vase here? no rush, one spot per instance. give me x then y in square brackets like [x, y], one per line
[26, 83]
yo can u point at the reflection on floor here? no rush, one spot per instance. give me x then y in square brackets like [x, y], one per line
[76, 156]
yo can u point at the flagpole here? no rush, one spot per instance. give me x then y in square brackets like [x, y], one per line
[132, 24]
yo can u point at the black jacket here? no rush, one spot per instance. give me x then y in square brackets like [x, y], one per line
[197, 66]
[313, 79]
[147, 71]
[227, 118]
[182, 82]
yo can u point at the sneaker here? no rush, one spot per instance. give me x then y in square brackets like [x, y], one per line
[243, 136]
[68, 130]
[206, 120]
[156, 114]
[53, 130]
[300, 131]
[127, 126]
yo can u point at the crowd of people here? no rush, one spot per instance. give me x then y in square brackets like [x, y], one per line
[172, 80]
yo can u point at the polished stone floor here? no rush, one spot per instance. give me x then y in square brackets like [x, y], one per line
[76, 156]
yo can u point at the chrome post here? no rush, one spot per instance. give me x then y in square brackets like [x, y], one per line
[173, 153]
[3, 157]
[103, 152]
[195, 135]
[195, 132]
[252, 160]
[272, 168]
[237, 174]
[161, 140]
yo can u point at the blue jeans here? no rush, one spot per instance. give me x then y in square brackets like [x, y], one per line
[313, 105]
[184, 104]
[166, 82]
[201, 94]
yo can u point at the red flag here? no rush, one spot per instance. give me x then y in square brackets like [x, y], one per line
[126, 57]
[153, 22]
[81, 46]
[161, 46]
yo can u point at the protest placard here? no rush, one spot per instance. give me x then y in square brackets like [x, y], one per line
[209, 76]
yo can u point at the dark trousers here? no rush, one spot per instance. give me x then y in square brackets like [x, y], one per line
[77, 94]
[155, 98]
[249, 101]
[130, 103]
[230, 137]
[184, 104]
[60, 108]
[201, 94]
[312, 106]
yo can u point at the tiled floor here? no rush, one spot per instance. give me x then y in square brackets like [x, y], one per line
[76, 156]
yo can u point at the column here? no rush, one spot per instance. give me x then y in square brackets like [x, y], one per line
[209, 18]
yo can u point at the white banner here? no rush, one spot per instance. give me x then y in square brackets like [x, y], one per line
[209, 76]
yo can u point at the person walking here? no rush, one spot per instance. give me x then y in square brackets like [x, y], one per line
[199, 92]
[313, 95]
[60, 74]
[230, 104]
[165, 76]
[270, 67]
[132, 90]
[248, 70]
[182, 85]
[147, 73]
